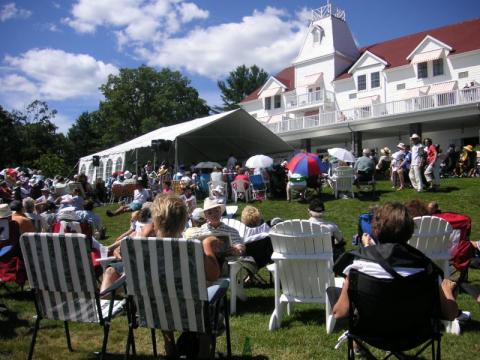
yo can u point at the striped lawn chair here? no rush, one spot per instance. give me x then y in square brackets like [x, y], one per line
[167, 289]
[61, 275]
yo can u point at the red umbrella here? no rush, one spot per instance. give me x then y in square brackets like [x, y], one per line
[305, 164]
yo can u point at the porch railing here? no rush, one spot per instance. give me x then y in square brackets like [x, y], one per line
[411, 105]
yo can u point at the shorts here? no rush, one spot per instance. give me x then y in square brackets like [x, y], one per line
[134, 206]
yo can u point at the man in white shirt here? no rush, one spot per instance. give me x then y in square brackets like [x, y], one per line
[415, 173]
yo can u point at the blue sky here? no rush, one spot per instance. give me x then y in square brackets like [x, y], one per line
[61, 51]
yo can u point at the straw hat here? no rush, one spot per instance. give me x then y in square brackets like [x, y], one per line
[212, 203]
[401, 146]
[5, 211]
[469, 148]
[414, 136]
[127, 174]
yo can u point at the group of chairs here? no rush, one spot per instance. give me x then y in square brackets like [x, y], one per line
[343, 181]
[255, 189]
[166, 287]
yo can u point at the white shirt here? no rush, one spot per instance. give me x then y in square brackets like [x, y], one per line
[336, 233]
[140, 196]
[417, 153]
[375, 270]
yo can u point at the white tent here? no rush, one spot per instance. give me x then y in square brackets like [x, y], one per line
[210, 138]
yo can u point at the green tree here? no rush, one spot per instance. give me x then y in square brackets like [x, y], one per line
[142, 99]
[51, 164]
[8, 139]
[240, 83]
[36, 133]
[85, 136]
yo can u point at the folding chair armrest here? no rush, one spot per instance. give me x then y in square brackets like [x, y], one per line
[115, 286]
[218, 290]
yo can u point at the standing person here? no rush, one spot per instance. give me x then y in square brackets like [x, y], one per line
[432, 172]
[416, 164]
[231, 162]
[397, 168]
[406, 163]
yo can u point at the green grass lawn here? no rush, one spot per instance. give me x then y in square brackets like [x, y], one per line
[302, 335]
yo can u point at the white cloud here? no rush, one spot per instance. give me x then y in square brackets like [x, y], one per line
[269, 39]
[10, 11]
[134, 21]
[56, 74]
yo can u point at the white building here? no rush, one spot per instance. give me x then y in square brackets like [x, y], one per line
[335, 94]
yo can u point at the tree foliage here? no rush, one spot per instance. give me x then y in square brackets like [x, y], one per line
[240, 82]
[142, 99]
[28, 135]
[51, 164]
[85, 135]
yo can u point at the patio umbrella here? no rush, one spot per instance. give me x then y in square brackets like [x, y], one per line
[305, 164]
[207, 165]
[342, 154]
[259, 162]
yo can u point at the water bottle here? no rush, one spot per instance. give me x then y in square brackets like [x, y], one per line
[247, 348]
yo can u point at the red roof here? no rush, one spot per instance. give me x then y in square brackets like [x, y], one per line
[286, 77]
[462, 37]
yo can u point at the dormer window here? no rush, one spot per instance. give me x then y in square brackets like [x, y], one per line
[317, 34]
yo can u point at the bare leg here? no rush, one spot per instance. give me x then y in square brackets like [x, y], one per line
[109, 277]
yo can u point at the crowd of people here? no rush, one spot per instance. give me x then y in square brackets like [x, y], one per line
[417, 165]
[40, 203]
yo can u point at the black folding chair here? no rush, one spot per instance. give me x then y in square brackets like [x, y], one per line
[394, 315]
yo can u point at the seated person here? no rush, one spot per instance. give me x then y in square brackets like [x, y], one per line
[42, 201]
[364, 167]
[393, 227]
[383, 164]
[218, 195]
[316, 209]
[138, 222]
[38, 221]
[189, 197]
[197, 219]
[77, 199]
[296, 182]
[49, 215]
[167, 187]
[256, 239]
[140, 196]
[88, 216]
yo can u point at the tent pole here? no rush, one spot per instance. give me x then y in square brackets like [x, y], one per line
[136, 161]
[176, 155]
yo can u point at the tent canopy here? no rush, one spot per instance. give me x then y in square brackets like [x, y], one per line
[210, 138]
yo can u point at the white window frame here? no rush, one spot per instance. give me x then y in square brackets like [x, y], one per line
[268, 100]
[442, 67]
[358, 82]
[426, 70]
[371, 80]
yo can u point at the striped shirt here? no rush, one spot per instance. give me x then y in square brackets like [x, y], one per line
[207, 229]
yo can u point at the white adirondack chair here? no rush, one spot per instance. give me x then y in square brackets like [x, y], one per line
[236, 283]
[241, 187]
[303, 263]
[342, 180]
[432, 237]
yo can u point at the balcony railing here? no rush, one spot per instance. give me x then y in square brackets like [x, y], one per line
[416, 104]
[310, 98]
[326, 11]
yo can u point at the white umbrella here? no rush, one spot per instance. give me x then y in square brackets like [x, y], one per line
[259, 162]
[208, 165]
[342, 154]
